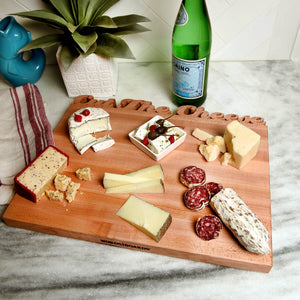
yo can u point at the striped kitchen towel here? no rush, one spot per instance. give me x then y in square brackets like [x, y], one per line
[24, 132]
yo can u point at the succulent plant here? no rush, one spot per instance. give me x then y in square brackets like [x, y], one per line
[84, 29]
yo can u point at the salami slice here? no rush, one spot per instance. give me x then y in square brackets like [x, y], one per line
[208, 227]
[192, 176]
[213, 188]
[196, 198]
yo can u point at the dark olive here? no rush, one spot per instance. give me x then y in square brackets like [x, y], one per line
[152, 135]
[160, 122]
[162, 129]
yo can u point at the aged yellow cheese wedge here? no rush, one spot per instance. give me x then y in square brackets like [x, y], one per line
[148, 186]
[154, 171]
[241, 142]
[146, 217]
[112, 180]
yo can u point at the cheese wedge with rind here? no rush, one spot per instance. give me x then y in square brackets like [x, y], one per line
[148, 218]
[35, 178]
[241, 142]
[149, 186]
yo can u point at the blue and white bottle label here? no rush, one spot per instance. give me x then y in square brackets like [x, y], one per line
[188, 77]
[182, 16]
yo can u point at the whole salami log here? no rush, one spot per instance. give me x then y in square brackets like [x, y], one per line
[192, 176]
[241, 221]
[196, 198]
[208, 227]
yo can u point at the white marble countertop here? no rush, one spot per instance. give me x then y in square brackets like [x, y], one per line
[35, 265]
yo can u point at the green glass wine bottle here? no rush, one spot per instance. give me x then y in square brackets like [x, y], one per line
[191, 44]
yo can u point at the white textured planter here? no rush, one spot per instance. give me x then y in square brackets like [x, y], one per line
[92, 75]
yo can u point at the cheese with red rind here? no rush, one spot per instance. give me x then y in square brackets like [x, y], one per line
[35, 178]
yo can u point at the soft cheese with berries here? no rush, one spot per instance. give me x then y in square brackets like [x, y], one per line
[86, 121]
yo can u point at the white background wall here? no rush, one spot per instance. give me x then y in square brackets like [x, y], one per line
[242, 29]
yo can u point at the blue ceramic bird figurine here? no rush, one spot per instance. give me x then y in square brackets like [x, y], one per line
[13, 67]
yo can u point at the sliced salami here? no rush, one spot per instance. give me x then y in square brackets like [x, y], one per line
[192, 176]
[208, 227]
[196, 198]
[213, 188]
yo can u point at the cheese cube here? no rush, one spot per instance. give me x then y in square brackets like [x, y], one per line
[159, 144]
[83, 173]
[61, 182]
[225, 159]
[210, 152]
[219, 140]
[55, 195]
[241, 142]
[201, 134]
[140, 133]
[146, 217]
[71, 191]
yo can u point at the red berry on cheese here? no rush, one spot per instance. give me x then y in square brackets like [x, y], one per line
[145, 141]
[77, 118]
[86, 112]
[152, 127]
[172, 139]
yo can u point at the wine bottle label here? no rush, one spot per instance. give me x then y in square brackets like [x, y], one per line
[188, 77]
[182, 16]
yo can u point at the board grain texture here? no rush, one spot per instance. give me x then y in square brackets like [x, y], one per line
[92, 215]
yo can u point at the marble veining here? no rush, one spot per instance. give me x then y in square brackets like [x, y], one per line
[35, 265]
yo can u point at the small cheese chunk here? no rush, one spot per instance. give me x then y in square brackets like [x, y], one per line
[103, 143]
[83, 173]
[225, 159]
[71, 191]
[55, 195]
[35, 179]
[201, 134]
[210, 152]
[219, 140]
[82, 143]
[241, 142]
[61, 182]
[146, 217]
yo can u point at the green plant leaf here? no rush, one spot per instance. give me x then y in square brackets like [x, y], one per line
[97, 8]
[104, 21]
[66, 57]
[64, 7]
[85, 41]
[91, 50]
[43, 42]
[48, 17]
[131, 29]
[113, 46]
[130, 20]
[81, 10]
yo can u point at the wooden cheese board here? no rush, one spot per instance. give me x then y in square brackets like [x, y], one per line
[92, 215]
